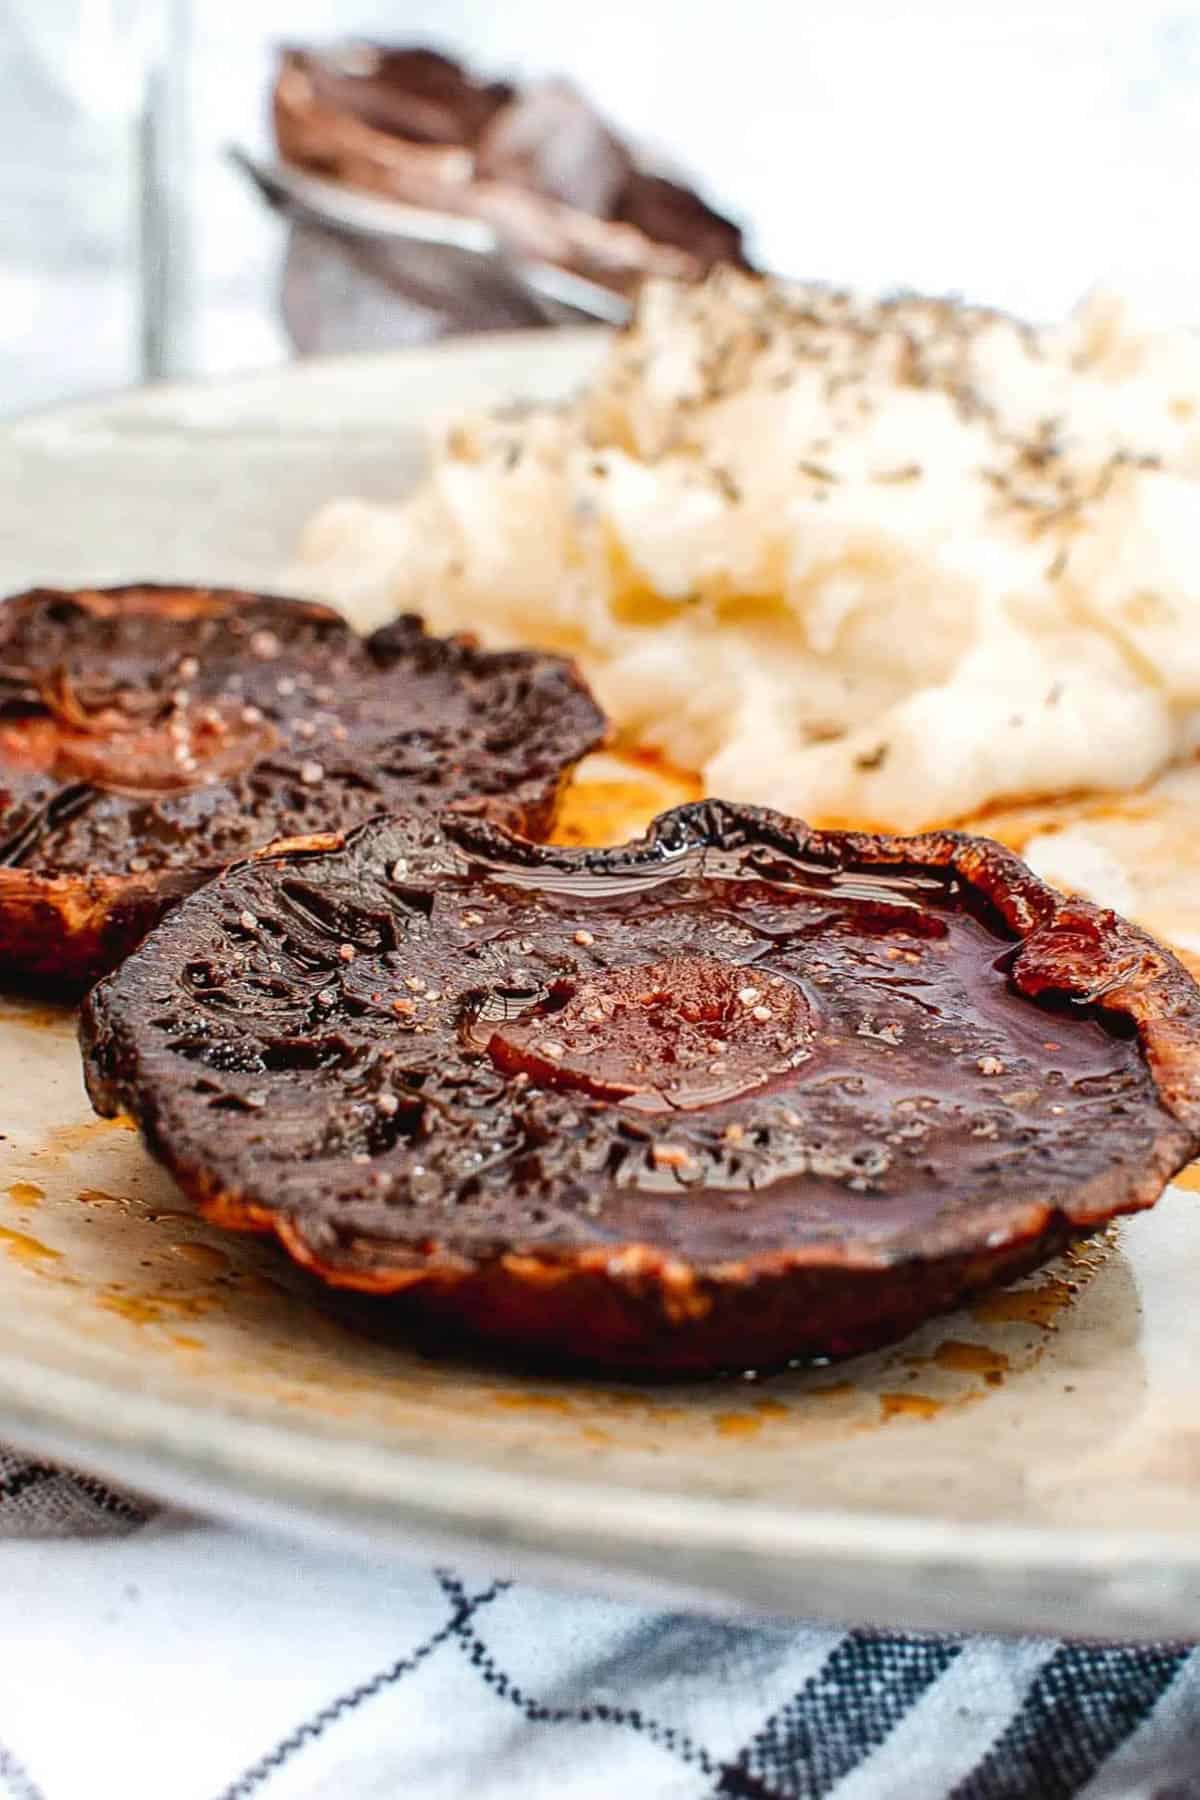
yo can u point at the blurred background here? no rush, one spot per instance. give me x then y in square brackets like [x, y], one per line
[1015, 154]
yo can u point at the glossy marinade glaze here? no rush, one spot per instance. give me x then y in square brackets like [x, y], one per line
[734, 1093]
[149, 736]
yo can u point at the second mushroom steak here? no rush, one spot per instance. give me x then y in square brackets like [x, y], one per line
[735, 1093]
[151, 735]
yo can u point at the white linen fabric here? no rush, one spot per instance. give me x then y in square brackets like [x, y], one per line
[152, 1656]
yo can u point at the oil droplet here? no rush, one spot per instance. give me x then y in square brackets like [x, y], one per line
[128, 1306]
[208, 1257]
[553, 1403]
[152, 1309]
[26, 1249]
[837, 1390]
[182, 1342]
[614, 798]
[261, 1285]
[737, 1425]
[26, 1193]
[910, 1406]
[21, 1012]
[1189, 1178]
[65, 1140]
[1026, 1306]
[772, 1409]
[1092, 1255]
[595, 1434]
[970, 1359]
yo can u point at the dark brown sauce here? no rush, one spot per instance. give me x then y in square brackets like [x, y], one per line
[913, 1088]
[927, 1075]
[679, 1034]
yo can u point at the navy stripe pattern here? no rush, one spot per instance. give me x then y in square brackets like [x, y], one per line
[807, 1747]
[1082, 1706]
[38, 1499]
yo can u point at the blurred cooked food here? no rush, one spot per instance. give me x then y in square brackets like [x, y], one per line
[538, 164]
[150, 735]
[414, 93]
[550, 141]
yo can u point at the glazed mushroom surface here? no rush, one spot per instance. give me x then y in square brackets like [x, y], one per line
[734, 1093]
[149, 736]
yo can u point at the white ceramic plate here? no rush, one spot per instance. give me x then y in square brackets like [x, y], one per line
[1033, 1463]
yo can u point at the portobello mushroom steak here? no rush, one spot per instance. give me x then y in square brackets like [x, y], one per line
[736, 1093]
[151, 735]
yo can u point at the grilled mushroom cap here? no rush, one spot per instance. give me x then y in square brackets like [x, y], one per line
[150, 736]
[732, 1094]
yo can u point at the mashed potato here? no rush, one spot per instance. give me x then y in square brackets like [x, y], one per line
[880, 561]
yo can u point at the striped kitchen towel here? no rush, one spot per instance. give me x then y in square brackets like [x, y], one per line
[148, 1656]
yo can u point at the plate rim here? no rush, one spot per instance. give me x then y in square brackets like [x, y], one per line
[1134, 1583]
[567, 338]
